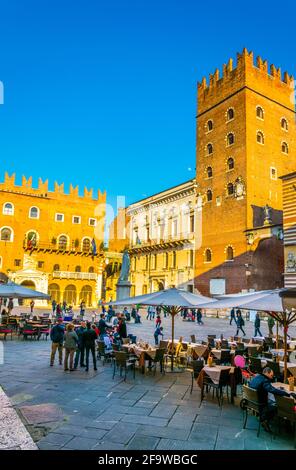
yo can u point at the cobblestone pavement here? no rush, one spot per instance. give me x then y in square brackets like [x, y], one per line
[80, 410]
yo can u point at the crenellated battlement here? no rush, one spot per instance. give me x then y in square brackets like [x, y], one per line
[42, 189]
[256, 75]
[244, 60]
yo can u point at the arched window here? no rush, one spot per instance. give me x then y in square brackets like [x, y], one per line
[230, 114]
[259, 112]
[34, 213]
[56, 267]
[284, 124]
[209, 149]
[229, 253]
[230, 189]
[8, 208]
[32, 238]
[209, 172]
[77, 269]
[230, 139]
[285, 148]
[230, 163]
[86, 245]
[209, 125]
[63, 242]
[260, 138]
[6, 234]
[208, 255]
[209, 195]
[91, 269]
[166, 260]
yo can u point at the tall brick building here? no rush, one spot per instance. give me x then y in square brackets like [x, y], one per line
[246, 139]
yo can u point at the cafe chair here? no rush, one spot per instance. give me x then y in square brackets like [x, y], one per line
[286, 411]
[30, 331]
[255, 365]
[225, 358]
[103, 353]
[197, 366]
[267, 355]
[250, 402]
[224, 344]
[218, 388]
[193, 339]
[158, 359]
[163, 344]
[122, 362]
[125, 340]
[4, 330]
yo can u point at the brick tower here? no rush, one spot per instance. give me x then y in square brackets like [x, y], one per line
[246, 139]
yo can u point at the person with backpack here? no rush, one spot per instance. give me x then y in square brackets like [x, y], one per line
[240, 322]
[232, 316]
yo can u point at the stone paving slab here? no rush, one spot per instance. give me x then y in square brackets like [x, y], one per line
[143, 443]
[13, 433]
[44, 413]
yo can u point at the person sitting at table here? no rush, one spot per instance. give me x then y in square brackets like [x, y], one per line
[263, 384]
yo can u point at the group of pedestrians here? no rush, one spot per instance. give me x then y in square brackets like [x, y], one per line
[78, 343]
[239, 321]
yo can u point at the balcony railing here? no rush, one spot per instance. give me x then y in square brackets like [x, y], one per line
[49, 247]
[74, 275]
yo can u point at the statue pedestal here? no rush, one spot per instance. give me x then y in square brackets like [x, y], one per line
[123, 290]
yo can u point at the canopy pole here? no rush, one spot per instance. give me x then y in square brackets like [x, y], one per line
[285, 324]
[277, 334]
[173, 334]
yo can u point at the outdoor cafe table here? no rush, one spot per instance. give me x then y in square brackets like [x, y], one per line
[284, 386]
[195, 349]
[142, 354]
[290, 365]
[217, 352]
[214, 374]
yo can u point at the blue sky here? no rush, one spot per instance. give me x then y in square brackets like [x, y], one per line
[103, 93]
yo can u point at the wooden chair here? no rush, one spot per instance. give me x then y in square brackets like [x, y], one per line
[219, 388]
[255, 365]
[122, 361]
[197, 367]
[193, 339]
[158, 359]
[286, 411]
[250, 402]
[276, 370]
[125, 340]
[102, 352]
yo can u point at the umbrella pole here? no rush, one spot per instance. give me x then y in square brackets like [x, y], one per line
[285, 346]
[173, 333]
[277, 334]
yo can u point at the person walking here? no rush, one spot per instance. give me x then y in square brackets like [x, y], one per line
[257, 325]
[32, 303]
[199, 317]
[158, 332]
[57, 338]
[59, 310]
[239, 322]
[158, 321]
[232, 316]
[70, 345]
[54, 306]
[89, 340]
[270, 324]
[149, 313]
[80, 351]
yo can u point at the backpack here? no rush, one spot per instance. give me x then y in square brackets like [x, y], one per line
[242, 322]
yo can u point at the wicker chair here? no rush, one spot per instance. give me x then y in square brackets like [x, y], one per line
[250, 402]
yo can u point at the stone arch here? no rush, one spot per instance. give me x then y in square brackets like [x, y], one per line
[86, 295]
[70, 294]
[54, 292]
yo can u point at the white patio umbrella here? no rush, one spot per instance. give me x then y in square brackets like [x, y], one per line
[171, 300]
[15, 291]
[278, 303]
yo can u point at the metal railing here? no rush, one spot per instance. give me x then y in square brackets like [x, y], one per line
[74, 275]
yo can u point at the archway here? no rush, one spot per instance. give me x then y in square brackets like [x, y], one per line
[70, 294]
[29, 285]
[54, 292]
[160, 285]
[86, 295]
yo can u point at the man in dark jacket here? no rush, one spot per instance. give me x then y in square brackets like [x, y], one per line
[232, 316]
[57, 338]
[81, 347]
[257, 325]
[102, 326]
[262, 383]
[239, 322]
[89, 340]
